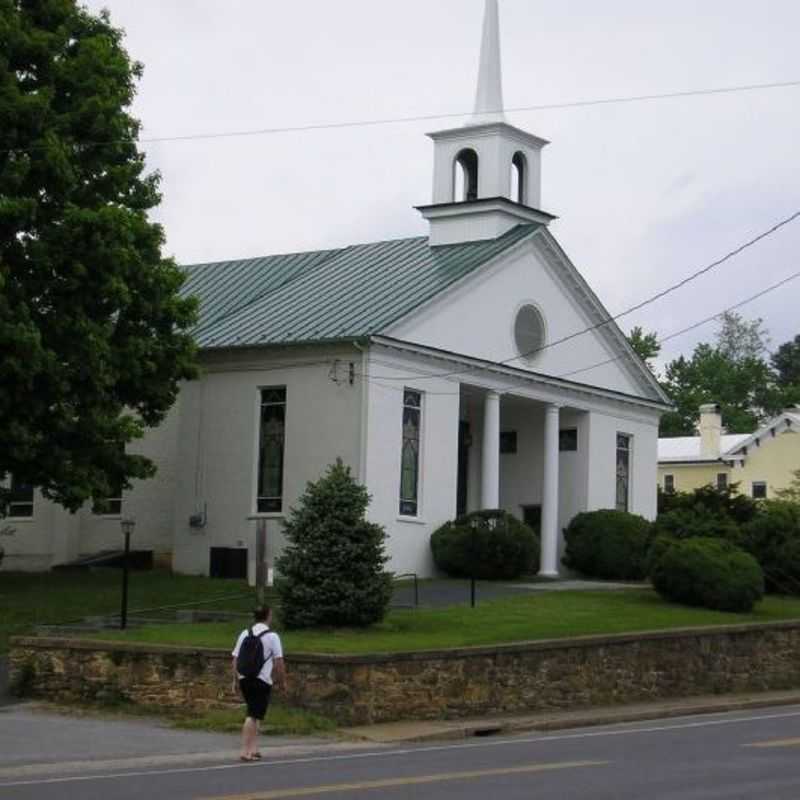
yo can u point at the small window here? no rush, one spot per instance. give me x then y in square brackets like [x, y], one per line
[529, 332]
[409, 454]
[722, 481]
[20, 499]
[272, 442]
[623, 471]
[759, 490]
[669, 484]
[508, 441]
[568, 440]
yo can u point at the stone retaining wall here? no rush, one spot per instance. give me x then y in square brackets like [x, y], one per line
[522, 677]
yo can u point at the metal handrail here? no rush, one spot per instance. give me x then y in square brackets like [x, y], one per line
[416, 584]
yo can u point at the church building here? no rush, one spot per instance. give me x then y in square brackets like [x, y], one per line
[472, 368]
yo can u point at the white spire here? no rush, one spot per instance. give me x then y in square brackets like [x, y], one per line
[489, 97]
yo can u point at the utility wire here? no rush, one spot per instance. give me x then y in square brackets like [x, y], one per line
[367, 123]
[693, 326]
[377, 380]
[608, 320]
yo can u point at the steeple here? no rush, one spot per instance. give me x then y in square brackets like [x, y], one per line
[486, 174]
[489, 95]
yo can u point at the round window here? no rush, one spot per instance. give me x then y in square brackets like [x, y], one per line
[529, 332]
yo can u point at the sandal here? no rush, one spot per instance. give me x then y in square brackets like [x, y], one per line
[247, 758]
[255, 756]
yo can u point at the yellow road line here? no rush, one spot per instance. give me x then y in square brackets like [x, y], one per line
[775, 743]
[388, 783]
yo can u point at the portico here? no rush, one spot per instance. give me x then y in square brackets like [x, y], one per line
[511, 448]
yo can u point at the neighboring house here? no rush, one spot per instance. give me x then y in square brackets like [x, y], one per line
[445, 370]
[760, 463]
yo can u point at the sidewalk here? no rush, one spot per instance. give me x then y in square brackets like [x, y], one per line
[396, 732]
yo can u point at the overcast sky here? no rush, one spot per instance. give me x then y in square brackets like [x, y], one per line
[645, 192]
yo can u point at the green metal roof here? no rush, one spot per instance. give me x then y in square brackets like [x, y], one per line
[329, 295]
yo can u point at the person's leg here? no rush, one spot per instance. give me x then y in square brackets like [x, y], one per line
[249, 736]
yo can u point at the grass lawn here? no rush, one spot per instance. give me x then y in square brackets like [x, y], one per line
[29, 599]
[542, 615]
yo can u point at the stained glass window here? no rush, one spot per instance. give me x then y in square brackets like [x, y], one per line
[623, 470]
[272, 439]
[409, 460]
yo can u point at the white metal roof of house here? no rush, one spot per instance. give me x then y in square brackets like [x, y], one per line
[677, 449]
[687, 448]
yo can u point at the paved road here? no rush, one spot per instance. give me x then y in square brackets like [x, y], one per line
[725, 756]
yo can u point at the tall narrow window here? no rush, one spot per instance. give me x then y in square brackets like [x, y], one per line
[465, 181]
[409, 459]
[623, 470]
[20, 499]
[518, 178]
[272, 439]
[759, 490]
[722, 481]
[669, 484]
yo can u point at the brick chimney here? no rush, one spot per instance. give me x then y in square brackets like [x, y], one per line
[710, 430]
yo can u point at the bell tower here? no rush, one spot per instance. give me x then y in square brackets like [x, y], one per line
[486, 174]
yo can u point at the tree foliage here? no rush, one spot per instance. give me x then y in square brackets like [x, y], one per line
[645, 345]
[731, 372]
[786, 362]
[332, 569]
[790, 493]
[92, 328]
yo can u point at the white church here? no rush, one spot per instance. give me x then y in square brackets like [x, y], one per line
[445, 370]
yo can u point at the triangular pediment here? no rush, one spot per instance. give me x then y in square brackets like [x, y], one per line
[477, 318]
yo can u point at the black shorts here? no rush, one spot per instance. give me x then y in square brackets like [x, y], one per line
[256, 694]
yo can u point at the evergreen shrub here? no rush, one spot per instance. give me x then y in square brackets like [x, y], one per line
[332, 571]
[489, 545]
[708, 572]
[608, 544]
[773, 537]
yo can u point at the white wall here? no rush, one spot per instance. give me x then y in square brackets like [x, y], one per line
[603, 429]
[477, 319]
[409, 539]
[56, 536]
[219, 443]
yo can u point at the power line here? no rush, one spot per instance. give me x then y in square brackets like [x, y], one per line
[367, 123]
[608, 320]
[694, 325]
[377, 379]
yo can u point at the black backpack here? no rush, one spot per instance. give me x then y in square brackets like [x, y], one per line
[251, 655]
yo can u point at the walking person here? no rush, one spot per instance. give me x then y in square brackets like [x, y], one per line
[257, 657]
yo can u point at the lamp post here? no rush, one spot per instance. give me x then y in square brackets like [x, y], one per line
[127, 524]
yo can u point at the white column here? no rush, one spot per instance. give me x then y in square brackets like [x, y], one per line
[490, 467]
[549, 554]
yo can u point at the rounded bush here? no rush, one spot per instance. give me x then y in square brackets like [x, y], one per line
[773, 538]
[698, 521]
[488, 545]
[608, 544]
[708, 572]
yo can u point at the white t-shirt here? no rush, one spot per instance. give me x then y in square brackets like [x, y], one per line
[271, 644]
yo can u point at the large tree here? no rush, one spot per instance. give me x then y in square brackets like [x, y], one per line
[731, 372]
[93, 332]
